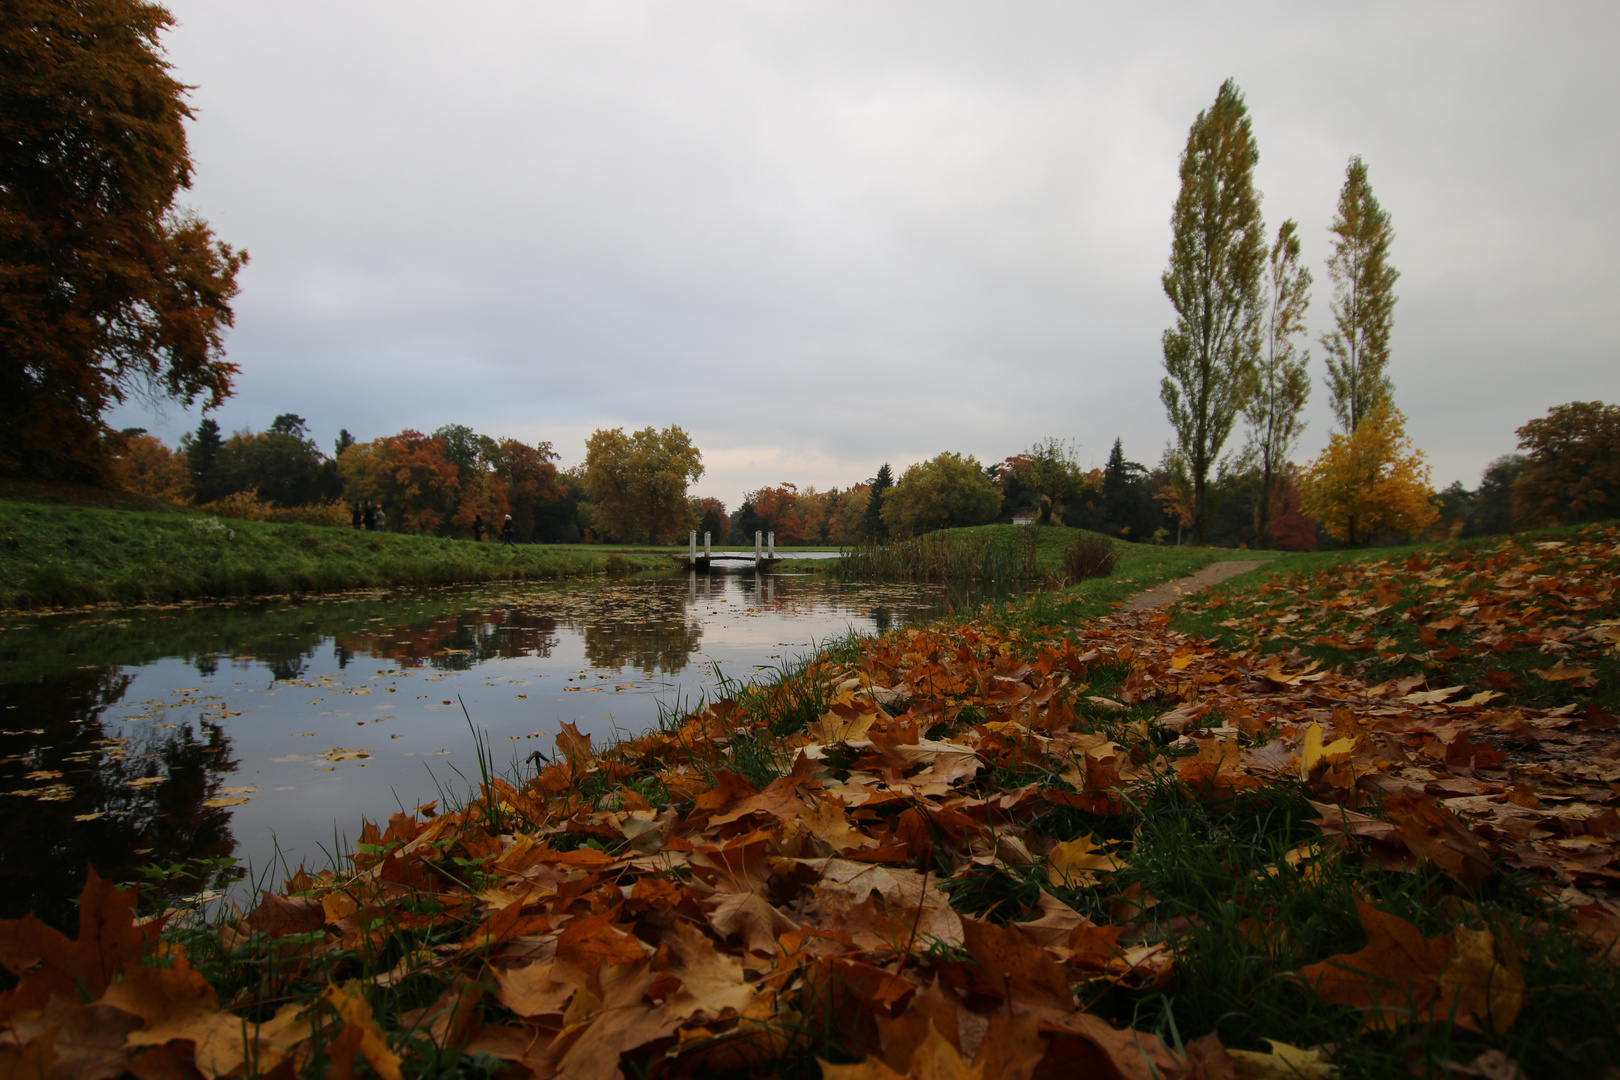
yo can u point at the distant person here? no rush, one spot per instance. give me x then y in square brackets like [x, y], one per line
[381, 520]
[368, 516]
[507, 533]
[478, 528]
[357, 519]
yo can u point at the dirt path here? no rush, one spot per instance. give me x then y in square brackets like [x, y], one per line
[1171, 591]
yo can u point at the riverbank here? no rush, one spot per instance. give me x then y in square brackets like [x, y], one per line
[55, 555]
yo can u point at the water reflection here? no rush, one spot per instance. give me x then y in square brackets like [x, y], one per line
[196, 732]
[83, 795]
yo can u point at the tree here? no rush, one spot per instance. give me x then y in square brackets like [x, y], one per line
[945, 492]
[846, 524]
[283, 466]
[406, 474]
[1370, 481]
[202, 460]
[877, 530]
[1363, 302]
[1217, 254]
[106, 288]
[712, 519]
[1281, 384]
[1573, 471]
[1049, 470]
[1493, 503]
[1292, 529]
[532, 483]
[776, 509]
[147, 467]
[639, 482]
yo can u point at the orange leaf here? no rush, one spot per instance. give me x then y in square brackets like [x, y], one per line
[1403, 977]
[590, 940]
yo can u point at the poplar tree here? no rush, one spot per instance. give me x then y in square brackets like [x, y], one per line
[1363, 302]
[1282, 386]
[1217, 255]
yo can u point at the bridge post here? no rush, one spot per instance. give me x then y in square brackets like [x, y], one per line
[706, 545]
[691, 548]
[772, 548]
[758, 538]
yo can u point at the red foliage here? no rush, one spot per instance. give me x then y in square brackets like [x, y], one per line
[1292, 529]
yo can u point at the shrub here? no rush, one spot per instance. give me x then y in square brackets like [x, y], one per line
[1092, 556]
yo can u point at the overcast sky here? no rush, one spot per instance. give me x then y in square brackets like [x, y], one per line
[824, 235]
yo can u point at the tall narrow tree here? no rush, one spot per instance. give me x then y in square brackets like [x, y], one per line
[1282, 386]
[1217, 255]
[876, 529]
[1363, 302]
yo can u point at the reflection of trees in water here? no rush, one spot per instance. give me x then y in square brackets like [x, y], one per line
[44, 851]
[653, 645]
[456, 642]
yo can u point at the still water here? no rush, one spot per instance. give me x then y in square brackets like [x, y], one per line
[265, 731]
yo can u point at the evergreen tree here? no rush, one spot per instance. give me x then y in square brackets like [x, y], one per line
[1217, 255]
[1282, 387]
[1363, 302]
[202, 459]
[876, 529]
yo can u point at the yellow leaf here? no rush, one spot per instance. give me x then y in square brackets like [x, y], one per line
[1313, 752]
[355, 1012]
[1076, 864]
[1283, 1063]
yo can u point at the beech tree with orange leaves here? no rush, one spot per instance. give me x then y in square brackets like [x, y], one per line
[1370, 481]
[109, 288]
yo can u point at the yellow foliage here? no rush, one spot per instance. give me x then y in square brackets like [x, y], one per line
[1369, 482]
[148, 467]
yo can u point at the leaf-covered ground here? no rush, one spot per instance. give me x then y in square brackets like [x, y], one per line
[969, 850]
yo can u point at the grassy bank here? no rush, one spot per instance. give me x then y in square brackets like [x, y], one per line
[72, 555]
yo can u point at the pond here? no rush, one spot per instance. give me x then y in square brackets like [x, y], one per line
[265, 731]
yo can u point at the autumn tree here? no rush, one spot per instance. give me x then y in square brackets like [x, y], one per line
[639, 482]
[1292, 529]
[1363, 302]
[107, 288]
[408, 475]
[1217, 255]
[530, 476]
[945, 492]
[146, 466]
[877, 530]
[1281, 384]
[776, 509]
[846, 520]
[1370, 481]
[1573, 469]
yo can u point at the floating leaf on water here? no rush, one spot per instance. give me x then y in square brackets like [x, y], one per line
[145, 781]
[236, 800]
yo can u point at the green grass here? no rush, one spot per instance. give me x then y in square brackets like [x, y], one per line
[1322, 603]
[55, 555]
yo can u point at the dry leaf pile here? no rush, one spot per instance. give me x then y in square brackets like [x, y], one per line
[650, 910]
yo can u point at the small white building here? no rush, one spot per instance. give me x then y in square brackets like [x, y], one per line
[1027, 516]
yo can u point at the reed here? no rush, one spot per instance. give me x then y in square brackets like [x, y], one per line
[947, 556]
